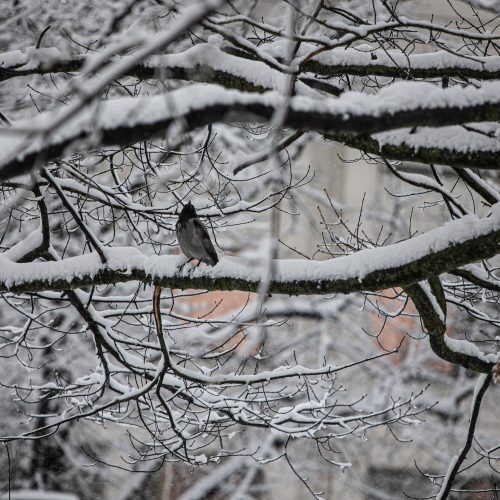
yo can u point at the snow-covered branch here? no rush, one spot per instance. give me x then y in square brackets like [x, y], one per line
[456, 244]
[126, 121]
[429, 300]
[377, 280]
[458, 146]
[205, 62]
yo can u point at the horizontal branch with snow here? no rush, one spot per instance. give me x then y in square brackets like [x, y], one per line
[459, 146]
[126, 121]
[397, 64]
[455, 244]
[205, 62]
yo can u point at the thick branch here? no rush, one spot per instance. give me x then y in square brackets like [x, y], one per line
[202, 63]
[207, 63]
[458, 243]
[400, 65]
[125, 121]
[429, 150]
[429, 301]
[341, 61]
[145, 71]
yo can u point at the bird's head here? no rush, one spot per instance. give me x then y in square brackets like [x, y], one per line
[188, 211]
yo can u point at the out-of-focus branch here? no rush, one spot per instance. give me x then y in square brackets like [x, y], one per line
[44, 224]
[88, 91]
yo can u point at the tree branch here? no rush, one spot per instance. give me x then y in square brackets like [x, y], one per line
[126, 121]
[407, 149]
[92, 239]
[204, 63]
[430, 303]
[482, 385]
[399, 65]
[441, 250]
[207, 63]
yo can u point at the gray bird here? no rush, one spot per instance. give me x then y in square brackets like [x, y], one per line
[193, 237]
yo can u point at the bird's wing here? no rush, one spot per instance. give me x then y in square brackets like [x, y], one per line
[204, 237]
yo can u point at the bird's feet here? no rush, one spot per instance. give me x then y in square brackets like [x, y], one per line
[181, 267]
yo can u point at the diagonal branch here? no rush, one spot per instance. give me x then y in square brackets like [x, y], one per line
[482, 385]
[92, 239]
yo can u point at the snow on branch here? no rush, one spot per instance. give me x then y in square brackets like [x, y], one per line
[457, 243]
[462, 146]
[397, 64]
[127, 120]
[204, 62]
[429, 299]
[207, 63]
[365, 60]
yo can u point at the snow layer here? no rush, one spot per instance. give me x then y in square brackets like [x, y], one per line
[453, 138]
[51, 128]
[29, 58]
[366, 57]
[210, 56]
[469, 349]
[356, 266]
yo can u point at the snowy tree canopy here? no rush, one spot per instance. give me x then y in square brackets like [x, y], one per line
[325, 319]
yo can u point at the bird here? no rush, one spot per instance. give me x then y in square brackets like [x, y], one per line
[193, 237]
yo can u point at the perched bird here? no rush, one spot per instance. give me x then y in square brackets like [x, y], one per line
[193, 237]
